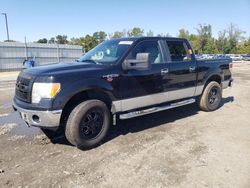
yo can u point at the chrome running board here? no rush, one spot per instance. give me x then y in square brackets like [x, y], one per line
[155, 109]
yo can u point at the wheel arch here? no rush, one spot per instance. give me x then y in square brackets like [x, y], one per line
[81, 96]
[212, 77]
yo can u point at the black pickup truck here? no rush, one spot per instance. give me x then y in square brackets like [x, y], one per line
[119, 78]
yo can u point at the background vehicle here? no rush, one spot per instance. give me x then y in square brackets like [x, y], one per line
[246, 57]
[236, 57]
[120, 78]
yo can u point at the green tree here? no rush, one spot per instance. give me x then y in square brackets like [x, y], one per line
[204, 37]
[44, 40]
[61, 39]
[163, 35]
[193, 39]
[52, 40]
[221, 42]
[183, 33]
[230, 40]
[136, 32]
[116, 35]
[234, 37]
[89, 43]
[150, 33]
[210, 47]
[77, 41]
[160, 35]
[244, 48]
[99, 37]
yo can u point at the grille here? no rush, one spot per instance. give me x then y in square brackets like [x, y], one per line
[23, 88]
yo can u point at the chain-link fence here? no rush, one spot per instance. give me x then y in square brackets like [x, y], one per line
[13, 54]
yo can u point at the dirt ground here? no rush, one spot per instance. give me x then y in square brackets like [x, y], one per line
[182, 147]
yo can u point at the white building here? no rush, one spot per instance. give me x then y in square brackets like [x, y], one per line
[12, 54]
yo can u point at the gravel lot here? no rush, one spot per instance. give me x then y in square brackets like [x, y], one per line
[182, 147]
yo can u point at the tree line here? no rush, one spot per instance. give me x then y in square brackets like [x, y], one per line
[229, 41]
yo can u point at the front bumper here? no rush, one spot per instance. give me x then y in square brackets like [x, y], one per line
[45, 119]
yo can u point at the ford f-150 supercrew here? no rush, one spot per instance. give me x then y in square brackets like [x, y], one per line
[119, 78]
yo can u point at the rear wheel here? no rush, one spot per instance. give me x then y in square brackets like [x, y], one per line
[211, 97]
[88, 124]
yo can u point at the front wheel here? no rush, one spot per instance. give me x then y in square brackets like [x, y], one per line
[88, 124]
[211, 97]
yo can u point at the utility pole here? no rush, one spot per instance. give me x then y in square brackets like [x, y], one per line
[7, 29]
[26, 49]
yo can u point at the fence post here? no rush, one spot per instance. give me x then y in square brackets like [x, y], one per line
[58, 57]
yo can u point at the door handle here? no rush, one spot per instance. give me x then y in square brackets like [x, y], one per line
[191, 69]
[164, 71]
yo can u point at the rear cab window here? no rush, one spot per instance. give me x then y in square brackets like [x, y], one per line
[178, 51]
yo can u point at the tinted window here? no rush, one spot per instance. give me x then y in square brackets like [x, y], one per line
[178, 51]
[151, 47]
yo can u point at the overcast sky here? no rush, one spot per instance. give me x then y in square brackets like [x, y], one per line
[37, 19]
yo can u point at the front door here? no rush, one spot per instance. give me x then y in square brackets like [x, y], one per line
[139, 88]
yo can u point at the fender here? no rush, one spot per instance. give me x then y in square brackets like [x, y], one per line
[216, 71]
[72, 89]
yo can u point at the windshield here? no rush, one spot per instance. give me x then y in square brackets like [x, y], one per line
[107, 52]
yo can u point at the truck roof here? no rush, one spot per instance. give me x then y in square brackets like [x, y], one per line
[142, 38]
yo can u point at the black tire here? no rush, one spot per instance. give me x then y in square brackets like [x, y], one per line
[211, 97]
[88, 124]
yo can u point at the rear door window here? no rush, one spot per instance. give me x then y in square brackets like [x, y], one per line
[178, 51]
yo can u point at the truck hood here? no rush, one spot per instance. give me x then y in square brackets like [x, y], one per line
[60, 68]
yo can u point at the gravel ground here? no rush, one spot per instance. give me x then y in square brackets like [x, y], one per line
[182, 147]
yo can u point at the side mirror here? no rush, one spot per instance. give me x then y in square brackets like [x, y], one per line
[140, 63]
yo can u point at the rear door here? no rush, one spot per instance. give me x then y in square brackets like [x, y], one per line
[182, 70]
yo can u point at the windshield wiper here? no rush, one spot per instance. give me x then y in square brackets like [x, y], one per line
[90, 60]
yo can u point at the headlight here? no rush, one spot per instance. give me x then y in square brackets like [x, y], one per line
[44, 90]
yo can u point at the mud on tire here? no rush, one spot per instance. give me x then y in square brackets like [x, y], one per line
[211, 97]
